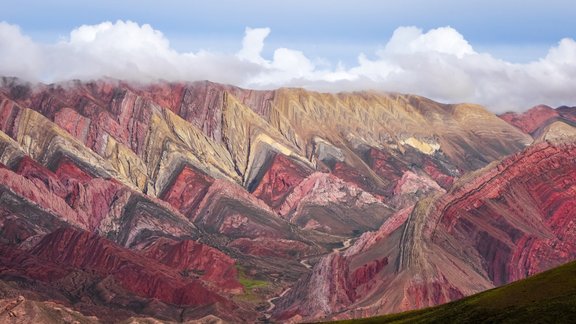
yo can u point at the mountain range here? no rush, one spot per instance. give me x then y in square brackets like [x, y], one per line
[201, 201]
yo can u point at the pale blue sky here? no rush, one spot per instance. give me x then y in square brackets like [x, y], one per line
[508, 55]
[336, 30]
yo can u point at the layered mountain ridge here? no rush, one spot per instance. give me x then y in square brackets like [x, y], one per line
[500, 226]
[187, 200]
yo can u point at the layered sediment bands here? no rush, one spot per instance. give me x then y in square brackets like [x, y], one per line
[70, 194]
[386, 165]
[173, 142]
[201, 103]
[10, 150]
[280, 178]
[44, 141]
[325, 203]
[534, 120]
[557, 132]
[102, 273]
[130, 270]
[507, 221]
[520, 209]
[187, 190]
[363, 272]
[139, 139]
[401, 120]
[484, 140]
[228, 209]
[148, 132]
[252, 141]
[22, 222]
[115, 133]
[392, 165]
[36, 193]
[141, 216]
[196, 260]
[219, 198]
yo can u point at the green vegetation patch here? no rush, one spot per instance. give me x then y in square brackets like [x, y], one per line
[247, 282]
[549, 297]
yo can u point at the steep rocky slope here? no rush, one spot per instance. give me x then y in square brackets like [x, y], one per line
[535, 120]
[549, 297]
[187, 200]
[507, 221]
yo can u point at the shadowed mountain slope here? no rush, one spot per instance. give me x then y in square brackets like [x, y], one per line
[548, 297]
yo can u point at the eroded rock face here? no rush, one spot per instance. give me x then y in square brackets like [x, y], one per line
[194, 259]
[519, 213]
[164, 271]
[531, 120]
[325, 203]
[280, 179]
[187, 190]
[130, 270]
[183, 201]
[537, 118]
[500, 224]
[147, 132]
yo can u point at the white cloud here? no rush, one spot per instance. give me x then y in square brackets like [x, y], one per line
[253, 44]
[122, 50]
[410, 40]
[286, 64]
[19, 56]
[439, 64]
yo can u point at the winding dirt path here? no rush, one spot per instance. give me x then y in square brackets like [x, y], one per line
[270, 300]
[346, 244]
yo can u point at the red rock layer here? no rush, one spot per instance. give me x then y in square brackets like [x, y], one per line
[230, 210]
[444, 180]
[35, 191]
[392, 167]
[532, 119]
[223, 208]
[69, 191]
[194, 259]
[519, 216]
[132, 271]
[286, 213]
[123, 110]
[92, 111]
[14, 261]
[201, 103]
[539, 117]
[187, 190]
[322, 202]
[279, 180]
[96, 111]
[350, 174]
[385, 165]
[507, 222]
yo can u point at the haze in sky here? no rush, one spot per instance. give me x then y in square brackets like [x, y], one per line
[508, 56]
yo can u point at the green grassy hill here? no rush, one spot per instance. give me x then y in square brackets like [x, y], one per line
[549, 297]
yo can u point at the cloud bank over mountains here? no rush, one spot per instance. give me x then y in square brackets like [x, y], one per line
[439, 64]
